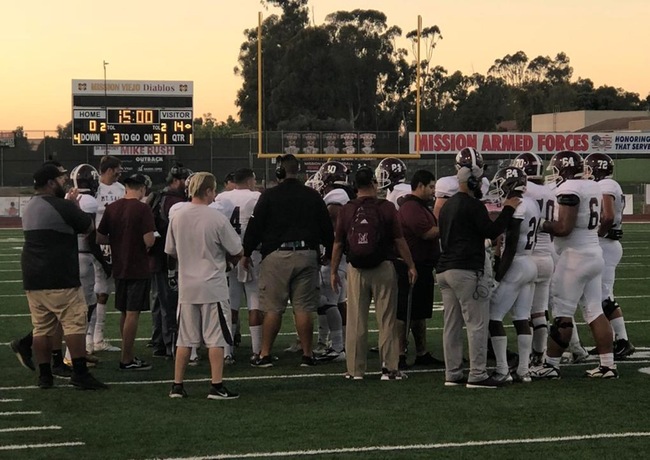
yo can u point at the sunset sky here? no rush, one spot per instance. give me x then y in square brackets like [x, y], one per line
[47, 44]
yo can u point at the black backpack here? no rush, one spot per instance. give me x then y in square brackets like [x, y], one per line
[365, 240]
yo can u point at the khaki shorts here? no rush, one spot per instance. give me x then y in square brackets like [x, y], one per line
[48, 307]
[290, 275]
[208, 323]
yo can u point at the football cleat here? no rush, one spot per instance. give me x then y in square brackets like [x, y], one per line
[545, 371]
[503, 379]
[105, 346]
[522, 378]
[622, 349]
[602, 372]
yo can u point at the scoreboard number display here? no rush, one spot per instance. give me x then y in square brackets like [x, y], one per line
[128, 112]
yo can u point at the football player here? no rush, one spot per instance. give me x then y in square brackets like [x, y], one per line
[578, 272]
[109, 190]
[600, 168]
[515, 275]
[237, 205]
[543, 251]
[391, 176]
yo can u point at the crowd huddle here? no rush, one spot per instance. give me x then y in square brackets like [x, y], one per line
[530, 245]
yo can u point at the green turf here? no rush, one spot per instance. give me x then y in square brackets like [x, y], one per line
[288, 408]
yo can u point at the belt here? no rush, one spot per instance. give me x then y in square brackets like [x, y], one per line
[295, 246]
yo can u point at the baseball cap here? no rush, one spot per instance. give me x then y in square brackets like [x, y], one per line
[136, 179]
[46, 173]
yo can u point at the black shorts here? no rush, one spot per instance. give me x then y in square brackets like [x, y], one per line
[422, 300]
[132, 295]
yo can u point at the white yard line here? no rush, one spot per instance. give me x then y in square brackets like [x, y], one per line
[23, 412]
[29, 428]
[432, 446]
[10, 400]
[41, 446]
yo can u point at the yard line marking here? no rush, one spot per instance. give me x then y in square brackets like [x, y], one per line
[30, 428]
[11, 281]
[442, 445]
[10, 400]
[12, 295]
[338, 374]
[10, 270]
[41, 446]
[24, 412]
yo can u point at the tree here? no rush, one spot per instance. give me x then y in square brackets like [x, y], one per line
[64, 132]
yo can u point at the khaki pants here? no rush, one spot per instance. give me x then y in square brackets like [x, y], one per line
[465, 298]
[365, 284]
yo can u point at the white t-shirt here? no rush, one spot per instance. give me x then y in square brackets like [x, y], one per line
[200, 237]
[336, 196]
[545, 199]
[176, 207]
[585, 232]
[106, 194]
[398, 192]
[237, 205]
[446, 187]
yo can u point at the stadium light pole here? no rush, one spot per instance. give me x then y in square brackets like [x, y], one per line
[105, 111]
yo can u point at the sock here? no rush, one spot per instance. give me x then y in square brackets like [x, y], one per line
[217, 386]
[500, 344]
[607, 360]
[335, 326]
[26, 342]
[525, 344]
[45, 369]
[79, 366]
[620, 331]
[555, 362]
[90, 329]
[323, 328]
[57, 358]
[100, 319]
[540, 334]
[256, 339]
[227, 350]
[575, 338]
[68, 356]
[193, 353]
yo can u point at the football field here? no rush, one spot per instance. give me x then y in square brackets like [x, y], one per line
[291, 412]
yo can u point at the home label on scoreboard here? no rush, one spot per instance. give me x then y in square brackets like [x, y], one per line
[119, 112]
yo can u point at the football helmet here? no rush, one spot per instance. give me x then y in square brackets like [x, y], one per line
[531, 164]
[506, 181]
[599, 166]
[333, 172]
[314, 181]
[469, 157]
[85, 178]
[390, 172]
[563, 166]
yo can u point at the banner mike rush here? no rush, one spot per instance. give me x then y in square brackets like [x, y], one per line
[541, 143]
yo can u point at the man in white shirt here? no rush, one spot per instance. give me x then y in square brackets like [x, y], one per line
[203, 241]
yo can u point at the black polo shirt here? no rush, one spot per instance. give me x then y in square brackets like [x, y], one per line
[464, 226]
[286, 213]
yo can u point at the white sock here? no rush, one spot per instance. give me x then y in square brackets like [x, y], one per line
[193, 353]
[575, 338]
[618, 325]
[90, 329]
[540, 334]
[68, 356]
[100, 319]
[335, 326]
[323, 328]
[607, 360]
[500, 344]
[256, 339]
[555, 362]
[525, 344]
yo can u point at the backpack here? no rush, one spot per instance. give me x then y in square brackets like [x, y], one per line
[365, 240]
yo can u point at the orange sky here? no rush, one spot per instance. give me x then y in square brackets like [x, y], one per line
[47, 44]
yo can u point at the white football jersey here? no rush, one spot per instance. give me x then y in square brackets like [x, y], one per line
[88, 204]
[237, 205]
[398, 192]
[611, 187]
[107, 194]
[336, 196]
[545, 200]
[528, 213]
[585, 233]
[446, 187]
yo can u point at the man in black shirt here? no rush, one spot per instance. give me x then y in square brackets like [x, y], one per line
[290, 221]
[464, 225]
[50, 270]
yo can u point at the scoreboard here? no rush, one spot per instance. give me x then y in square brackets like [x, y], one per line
[132, 112]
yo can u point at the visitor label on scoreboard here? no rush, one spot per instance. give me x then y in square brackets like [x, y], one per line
[486, 143]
